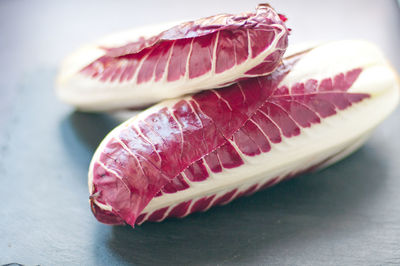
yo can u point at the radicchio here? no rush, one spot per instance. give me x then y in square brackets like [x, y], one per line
[197, 55]
[202, 142]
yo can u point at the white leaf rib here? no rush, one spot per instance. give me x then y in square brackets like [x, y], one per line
[272, 121]
[165, 74]
[214, 55]
[139, 131]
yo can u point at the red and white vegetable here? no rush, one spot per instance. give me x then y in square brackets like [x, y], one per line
[132, 70]
[188, 154]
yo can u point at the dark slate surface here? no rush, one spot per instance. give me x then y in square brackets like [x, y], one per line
[348, 214]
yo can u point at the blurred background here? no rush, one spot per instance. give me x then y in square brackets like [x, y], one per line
[346, 215]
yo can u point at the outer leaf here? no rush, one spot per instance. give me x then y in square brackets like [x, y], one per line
[192, 56]
[189, 154]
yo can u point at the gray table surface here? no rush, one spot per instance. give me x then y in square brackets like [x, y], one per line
[348, 214]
